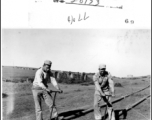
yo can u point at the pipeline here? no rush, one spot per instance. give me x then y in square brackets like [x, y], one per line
[129, 107]
[123, 97]
[81, 113]
[136, 103]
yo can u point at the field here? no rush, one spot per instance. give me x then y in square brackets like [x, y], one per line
[18, 104]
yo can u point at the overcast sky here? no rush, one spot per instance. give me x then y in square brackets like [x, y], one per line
[125, 52]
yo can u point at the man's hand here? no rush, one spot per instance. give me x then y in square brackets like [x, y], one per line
[106, 101]
[60, 91]
[48, 90]
[109, 104]
[102, 94]
[113, 95]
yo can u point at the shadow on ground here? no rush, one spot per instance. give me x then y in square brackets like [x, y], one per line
[68, 115]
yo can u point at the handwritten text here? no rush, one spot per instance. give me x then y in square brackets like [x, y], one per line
[80, 17]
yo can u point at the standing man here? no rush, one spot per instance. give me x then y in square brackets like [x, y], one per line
[40, 89]
[104, 89]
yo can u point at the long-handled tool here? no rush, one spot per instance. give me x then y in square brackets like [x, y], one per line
[112, 112]
[53, 105]
[104, 117]
[108, 105]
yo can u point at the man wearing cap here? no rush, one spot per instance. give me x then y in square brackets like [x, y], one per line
[40, 89]
[104, 89]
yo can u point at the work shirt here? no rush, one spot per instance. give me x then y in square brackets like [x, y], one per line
[41, 79]
[103, 82]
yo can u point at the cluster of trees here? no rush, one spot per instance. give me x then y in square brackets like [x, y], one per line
[61, 77]
[71, 78]
[21, 80]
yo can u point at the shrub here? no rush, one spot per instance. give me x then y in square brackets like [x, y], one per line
[78, 90]
[135, 83]
[118, 85]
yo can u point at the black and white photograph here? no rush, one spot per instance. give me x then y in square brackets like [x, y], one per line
[76, 60]
[76, 74]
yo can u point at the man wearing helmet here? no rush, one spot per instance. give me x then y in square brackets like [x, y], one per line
[104, 89]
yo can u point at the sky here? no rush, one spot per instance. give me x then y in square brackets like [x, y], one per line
[124, 51]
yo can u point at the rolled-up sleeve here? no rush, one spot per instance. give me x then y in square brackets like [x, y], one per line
[53, 81]
[95, 78]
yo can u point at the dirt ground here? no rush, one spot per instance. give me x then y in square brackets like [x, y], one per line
[19, 104]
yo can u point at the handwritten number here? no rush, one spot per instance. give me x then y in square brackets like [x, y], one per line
[132, 22]
[71, 19]
[68, 18]
[90, 2]
[85, 17]
[129, 21]
[79, 18]
[81, 1]
[126, 21]
[72, 1]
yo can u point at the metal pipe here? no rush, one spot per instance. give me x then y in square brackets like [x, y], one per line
[129, 107]
[123, 97]
[91, 109]
[53, 105]
[136, 103]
